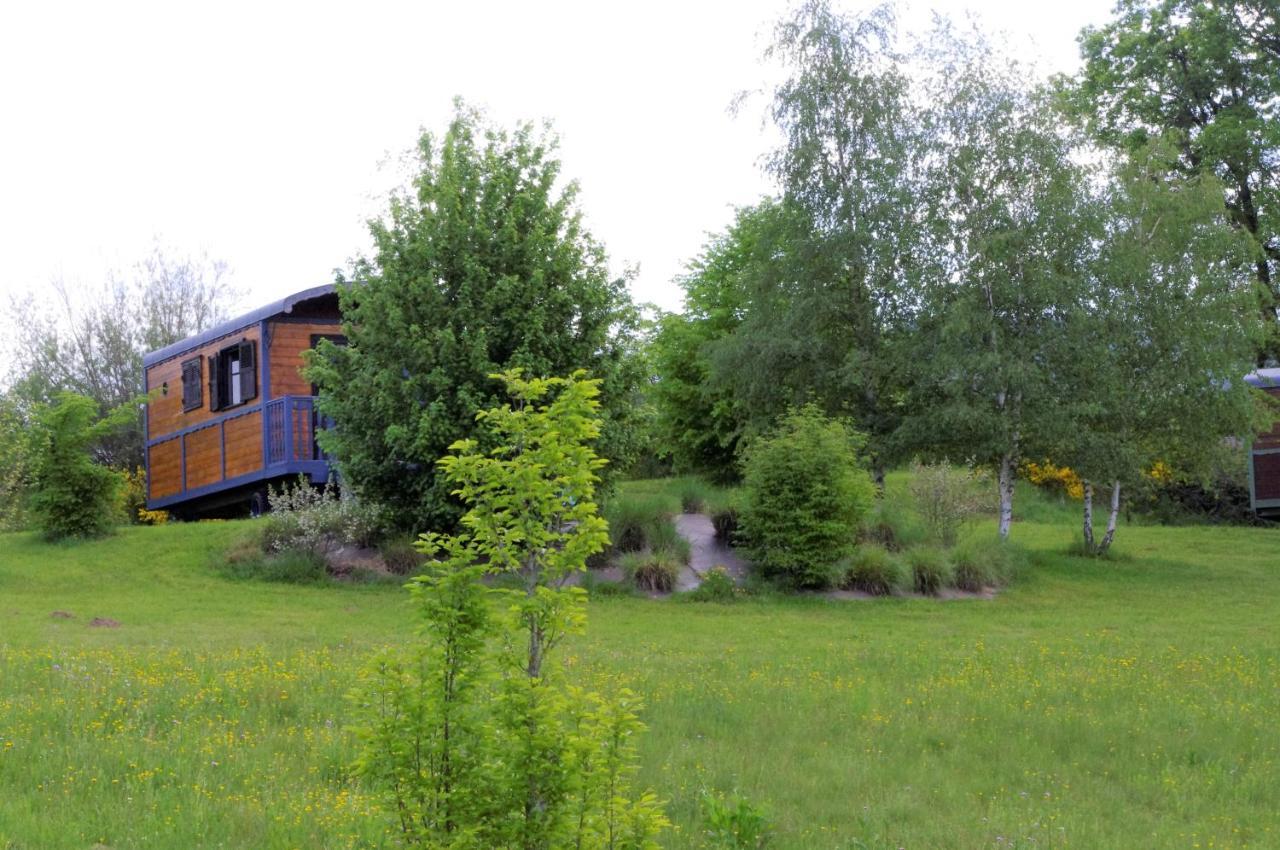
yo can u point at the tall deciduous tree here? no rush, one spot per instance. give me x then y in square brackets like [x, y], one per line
[1011, 226]
[1159, 340]
[824, 314]
[91, 342]
[1210, 72]
[483, 264]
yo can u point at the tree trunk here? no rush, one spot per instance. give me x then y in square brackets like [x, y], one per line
[1088, 517]
[1112, 516]
[1005, 483]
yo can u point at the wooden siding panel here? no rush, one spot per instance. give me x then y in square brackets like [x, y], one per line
[244, 444]
[166, 472]
[164, 412]
[204, 457]
[287, 342]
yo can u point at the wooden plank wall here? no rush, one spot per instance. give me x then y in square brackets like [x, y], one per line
[165, 477]
[288, 341]
[164, 412]
[1271, 439]
[204, 447]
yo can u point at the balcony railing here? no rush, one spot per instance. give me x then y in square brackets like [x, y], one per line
[291, 430]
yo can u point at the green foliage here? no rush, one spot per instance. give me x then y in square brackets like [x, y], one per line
[472, 736]
[734, 822]
[693, 496]
[317, 520]
[291, 566]
[806, 494]
[875, 570]
[481, 266]
[946, 497]
[17, 461]
[717, 586]
[725, 521]
[401, 556]
[655, 571]
[72, 496]
[91, 342]
[634, 522]
[891, 523]
[929, 568]
[1208, 75]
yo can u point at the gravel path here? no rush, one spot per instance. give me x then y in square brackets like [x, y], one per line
[705, 551]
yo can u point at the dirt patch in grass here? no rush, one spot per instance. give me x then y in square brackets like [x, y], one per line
[104, 623]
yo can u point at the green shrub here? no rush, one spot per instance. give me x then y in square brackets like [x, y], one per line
[717, 586]
[632, 522]
[665, 538]
[733, 823]
[946, 497]
[891, 524]
[71, 495]
[652, 571]
[318, 520]
[874, 569]
[805, 497]
[401, 557]
[930, 570]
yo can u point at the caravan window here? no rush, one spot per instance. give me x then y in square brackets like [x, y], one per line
[233, 375]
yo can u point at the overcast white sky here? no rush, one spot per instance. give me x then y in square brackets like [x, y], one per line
[255, 132]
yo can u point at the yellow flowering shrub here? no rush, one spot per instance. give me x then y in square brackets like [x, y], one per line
[1060, 479]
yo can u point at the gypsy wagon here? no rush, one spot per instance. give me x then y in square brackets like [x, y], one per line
[229, 412]
[1264, 454]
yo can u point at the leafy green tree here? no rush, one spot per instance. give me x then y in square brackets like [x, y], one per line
[91, 341]
[475, 738]
[483, 264]
[1160, 340]
[806, 493]
[824, 322]
[700, 417]
[1011, 226]
[16, 461]
[1208, 73]
[72, 496]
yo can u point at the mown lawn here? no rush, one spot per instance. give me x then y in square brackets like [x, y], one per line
[1121, 704]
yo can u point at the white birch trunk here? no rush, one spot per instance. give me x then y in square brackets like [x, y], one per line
[1112, 517]
[1005, 483]
[1088, 517]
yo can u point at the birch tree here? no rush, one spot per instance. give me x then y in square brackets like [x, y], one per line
[1162, 339]
[1010, 225]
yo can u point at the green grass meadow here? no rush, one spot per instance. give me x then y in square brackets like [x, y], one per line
[1123, 703]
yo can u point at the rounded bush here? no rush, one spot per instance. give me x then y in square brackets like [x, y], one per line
[874, 569]
[930, 570]
[806, 495]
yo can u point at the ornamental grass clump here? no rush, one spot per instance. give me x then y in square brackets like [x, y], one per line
[930, 570]
[875, 570]
[634, 523]
[805, 495]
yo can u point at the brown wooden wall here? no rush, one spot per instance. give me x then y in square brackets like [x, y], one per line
[288, 339]
[164, 412]
[165, 477]
[1271, 439]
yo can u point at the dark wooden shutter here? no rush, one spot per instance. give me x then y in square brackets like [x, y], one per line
[192, 391]
[215, 382]
[248, 371]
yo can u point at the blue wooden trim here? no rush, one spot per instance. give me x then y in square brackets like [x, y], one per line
[264, 383]
[209, 423]
[146, 438]
[288, 430]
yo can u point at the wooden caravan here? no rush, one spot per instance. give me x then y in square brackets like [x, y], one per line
[233, 413]
[1264, 454]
